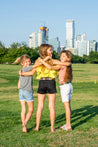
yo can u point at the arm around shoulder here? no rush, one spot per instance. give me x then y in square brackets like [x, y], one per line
[61, 63]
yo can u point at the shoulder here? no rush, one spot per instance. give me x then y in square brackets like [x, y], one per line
[28, 68]
[37, 60]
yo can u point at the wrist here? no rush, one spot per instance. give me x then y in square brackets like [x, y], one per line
[21, 73]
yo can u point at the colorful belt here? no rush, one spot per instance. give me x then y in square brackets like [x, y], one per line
[47, 78]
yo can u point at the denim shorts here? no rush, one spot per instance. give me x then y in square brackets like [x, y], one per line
[66, 91]
[25, 95]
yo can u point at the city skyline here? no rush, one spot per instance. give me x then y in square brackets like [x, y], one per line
[21, 18]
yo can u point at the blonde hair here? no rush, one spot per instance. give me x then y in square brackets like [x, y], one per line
[43, 50]
[21, 59]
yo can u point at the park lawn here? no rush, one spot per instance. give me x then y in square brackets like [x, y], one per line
[84, 112]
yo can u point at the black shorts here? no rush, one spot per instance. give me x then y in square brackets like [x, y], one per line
[47, 86]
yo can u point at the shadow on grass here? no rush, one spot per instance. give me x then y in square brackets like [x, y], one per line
[79, 116]
[43, 124]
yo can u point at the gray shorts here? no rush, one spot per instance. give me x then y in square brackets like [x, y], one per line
[66, 92]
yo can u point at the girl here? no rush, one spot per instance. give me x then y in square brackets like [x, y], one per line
[66, 88]
[25, 90]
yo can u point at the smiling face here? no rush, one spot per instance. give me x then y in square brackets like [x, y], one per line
[26, 63]
[63, 57]
[49, 52]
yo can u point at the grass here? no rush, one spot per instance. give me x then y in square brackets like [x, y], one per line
[84, 112]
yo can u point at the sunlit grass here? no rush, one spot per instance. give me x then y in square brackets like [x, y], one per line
[84, 118]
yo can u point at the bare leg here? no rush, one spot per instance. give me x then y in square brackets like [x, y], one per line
[52, 110]
[68, 114]
[30, 111]
[23, 110]
[41, 98]
[23, 113]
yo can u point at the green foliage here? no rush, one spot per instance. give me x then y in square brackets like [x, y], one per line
[18, 45]
[10, 55]
[55, 55]
[93, 57]
[18, 49]
[1, 45]
[3, 52]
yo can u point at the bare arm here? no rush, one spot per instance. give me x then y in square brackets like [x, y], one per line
[29, 73]
[55, 67]
[61, 63]
[18, 84]
[37, 63]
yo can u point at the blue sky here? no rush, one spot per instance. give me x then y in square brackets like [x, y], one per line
[20, 18]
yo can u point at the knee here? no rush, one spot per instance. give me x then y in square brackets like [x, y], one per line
[23, 111]
[51, 108]
[40, 107]
[31, 110]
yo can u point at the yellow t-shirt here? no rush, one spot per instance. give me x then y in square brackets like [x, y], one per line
[42, 71]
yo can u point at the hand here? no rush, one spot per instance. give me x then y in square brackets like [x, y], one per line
[47, 58]
[20, 72]
[41, 61]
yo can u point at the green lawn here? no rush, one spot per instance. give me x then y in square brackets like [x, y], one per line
[84, 112]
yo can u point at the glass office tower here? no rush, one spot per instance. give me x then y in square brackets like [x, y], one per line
[37, 38]
[70, 33]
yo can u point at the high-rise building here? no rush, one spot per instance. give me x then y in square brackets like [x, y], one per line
[80, 45]
[32, 40]
[70, 33]
[62, 48]
[83, 47]
[91, 46]
[97, 46]
[37, 38]
[55, 43]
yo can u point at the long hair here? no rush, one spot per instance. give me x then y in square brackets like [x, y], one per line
[21, 59]
[43, 50]
[43, 54]
[69, 75]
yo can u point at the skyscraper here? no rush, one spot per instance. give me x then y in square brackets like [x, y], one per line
[55, 43]
[70, 33]
[80, 45]
[37, 38]
[43, 35]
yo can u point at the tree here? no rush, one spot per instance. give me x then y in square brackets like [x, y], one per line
[15, 45]
[23, 44]
[93, 57]
[1, 45]
[55, 55]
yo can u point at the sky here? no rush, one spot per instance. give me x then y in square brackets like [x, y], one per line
[20, 18]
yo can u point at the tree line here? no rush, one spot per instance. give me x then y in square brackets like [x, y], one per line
[9, 55]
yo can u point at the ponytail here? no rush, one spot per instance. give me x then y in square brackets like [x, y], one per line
[21, 59]
[17, 60]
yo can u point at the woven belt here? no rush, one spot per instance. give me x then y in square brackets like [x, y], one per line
[47, 78]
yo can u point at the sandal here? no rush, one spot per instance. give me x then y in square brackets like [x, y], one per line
[65, 128]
